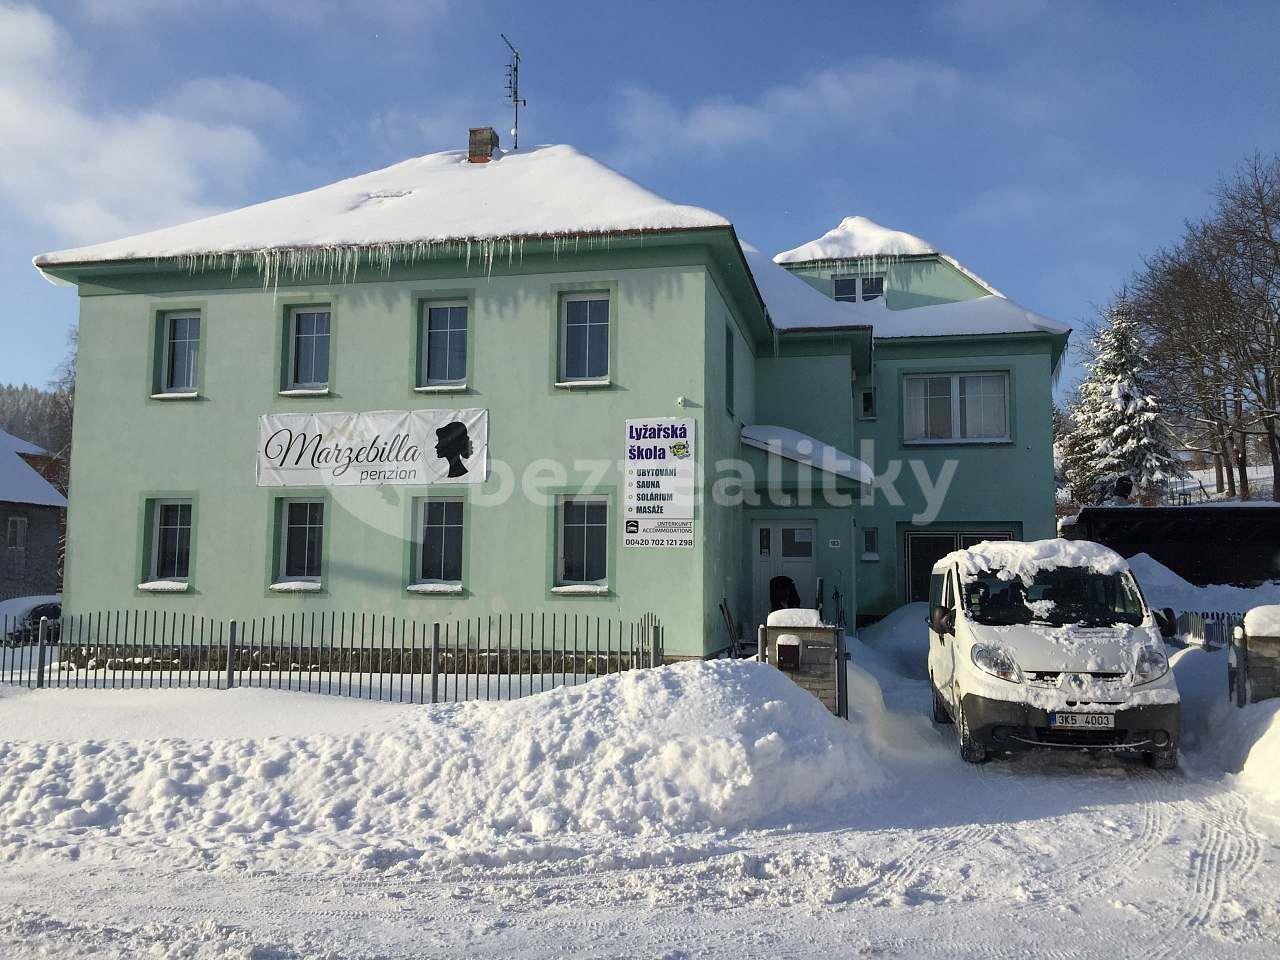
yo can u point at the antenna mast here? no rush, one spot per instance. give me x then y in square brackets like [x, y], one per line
[513, 89]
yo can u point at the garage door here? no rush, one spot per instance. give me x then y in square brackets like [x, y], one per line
[925, 548]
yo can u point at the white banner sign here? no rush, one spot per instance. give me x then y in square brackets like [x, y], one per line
[368, 449]
[657, 506]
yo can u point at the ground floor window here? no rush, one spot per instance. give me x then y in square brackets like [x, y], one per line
[302, 539]
[171, 547]
[440, 541]
[582, 541]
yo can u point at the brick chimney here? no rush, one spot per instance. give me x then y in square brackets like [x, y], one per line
[481, 144]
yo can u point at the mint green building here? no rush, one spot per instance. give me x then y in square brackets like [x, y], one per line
[418, 392]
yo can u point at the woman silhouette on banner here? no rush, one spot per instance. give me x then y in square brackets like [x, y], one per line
[453, 443]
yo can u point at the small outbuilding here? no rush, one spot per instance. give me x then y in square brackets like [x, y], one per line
[31, 517]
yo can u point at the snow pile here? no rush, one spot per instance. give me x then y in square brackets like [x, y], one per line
[19, 481]
[18, 607]
[802, 448]
[1009, 559]
[795, 305]
[686, 747]
[855, 238]
[1217, 734]
[979, 315]
[795, 617]
[1263, 621]
[1164, 588]
[411, 208]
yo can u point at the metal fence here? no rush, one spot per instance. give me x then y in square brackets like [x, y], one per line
[1208, 628]
[373, 656]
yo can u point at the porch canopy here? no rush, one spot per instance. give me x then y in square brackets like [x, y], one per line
[801, 448]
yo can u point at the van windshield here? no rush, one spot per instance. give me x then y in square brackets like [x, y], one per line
[1058, 597]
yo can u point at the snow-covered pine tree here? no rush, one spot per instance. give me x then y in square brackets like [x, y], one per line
[1079, 451]
[1120, 430]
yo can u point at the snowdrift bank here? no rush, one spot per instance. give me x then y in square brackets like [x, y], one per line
[1244, 742]
[691, 746]
[1164, 588]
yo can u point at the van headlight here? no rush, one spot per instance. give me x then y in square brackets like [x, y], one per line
[1150, 664]
[996, 661]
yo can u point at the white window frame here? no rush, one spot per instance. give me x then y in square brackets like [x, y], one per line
[562, 375]
[156, 508]
[955, 437]
[281, 575]
[167, 386]
[420, 536]
[859, 295]
[292, 347]
[16, 534]
[424, 325]
[569, 585]
[870, 543]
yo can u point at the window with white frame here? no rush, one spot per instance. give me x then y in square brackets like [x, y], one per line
[582, 541]
[171, 540]
[870, 543]
[956, 407]
[439, 541]
[584, 337]
[309, 332]
[444, 344]
[16, 535]
[301, 539]
[181, 352]
[852, 289]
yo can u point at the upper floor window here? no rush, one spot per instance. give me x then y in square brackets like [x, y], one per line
[181, 352]
[867, 403]
[728, 369]
[309, 331]
[956, 407]
[444, 344]
[584, 337]
[851, 289]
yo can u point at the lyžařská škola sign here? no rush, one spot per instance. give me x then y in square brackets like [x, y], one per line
[657, 503]
[369, 449]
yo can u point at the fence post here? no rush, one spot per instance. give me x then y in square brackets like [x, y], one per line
[231, 655]
[1242, 670]
[762, 644]
[842, 678]
[654, 643]
[435, 662]
[40, 639]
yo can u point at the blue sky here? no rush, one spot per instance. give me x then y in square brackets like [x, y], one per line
[1048, 146]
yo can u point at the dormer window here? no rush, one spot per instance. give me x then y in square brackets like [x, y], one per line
[853, 289]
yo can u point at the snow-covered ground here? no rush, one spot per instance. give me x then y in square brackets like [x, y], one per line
[697, 810]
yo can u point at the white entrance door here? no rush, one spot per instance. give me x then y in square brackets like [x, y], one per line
[782, 548]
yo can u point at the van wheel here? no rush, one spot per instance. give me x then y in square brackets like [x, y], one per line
[971, 751]
[1163, 759]
[940, 712]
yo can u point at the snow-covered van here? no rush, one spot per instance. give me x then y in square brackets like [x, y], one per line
[1049, 644]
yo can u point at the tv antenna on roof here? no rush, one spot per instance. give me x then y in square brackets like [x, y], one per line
[513, 89]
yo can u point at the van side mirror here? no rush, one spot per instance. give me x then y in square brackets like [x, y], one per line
[1167, 621]
[941, 620]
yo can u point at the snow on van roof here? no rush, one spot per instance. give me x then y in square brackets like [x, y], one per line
[1008, 559]
[795, 305]
[440, 198]
[857, 237]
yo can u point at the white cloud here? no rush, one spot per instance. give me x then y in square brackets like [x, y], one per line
[876, 99]
[91, 174]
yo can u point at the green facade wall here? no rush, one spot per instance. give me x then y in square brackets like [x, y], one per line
[129, 447]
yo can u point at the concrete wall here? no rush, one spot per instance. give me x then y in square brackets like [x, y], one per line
[666, 327]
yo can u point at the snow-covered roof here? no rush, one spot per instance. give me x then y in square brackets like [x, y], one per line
[989, 314]
[19, 482]
[795, 305]
[440, 198]
[1009, 559]
[857, 237]
[802, 448]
